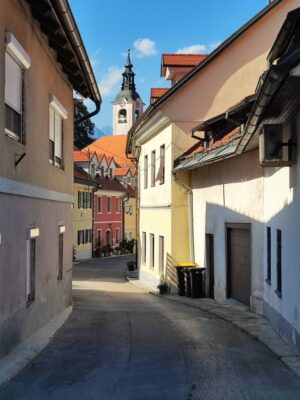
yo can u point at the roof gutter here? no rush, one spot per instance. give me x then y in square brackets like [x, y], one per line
[65, 17]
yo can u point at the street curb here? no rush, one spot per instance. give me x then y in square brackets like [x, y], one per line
[24, 352]
[254, 325]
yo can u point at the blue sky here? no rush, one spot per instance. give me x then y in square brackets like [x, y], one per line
[109, 28]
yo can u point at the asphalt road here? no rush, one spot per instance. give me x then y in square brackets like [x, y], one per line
[121, 343]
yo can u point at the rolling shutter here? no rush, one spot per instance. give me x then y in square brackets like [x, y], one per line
[13, 84]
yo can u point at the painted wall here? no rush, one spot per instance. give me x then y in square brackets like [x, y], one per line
[230, 191]
[17, 213]
[43, 78]
[232, 76]
[107, 220]
[82, 220]
[163, 207]
[130, 218]
[281, 210]
[34, 193]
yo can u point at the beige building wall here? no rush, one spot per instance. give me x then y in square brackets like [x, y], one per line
[82, 220]
[232, 75]
[130, 218]
[43, 78]
[33, 193]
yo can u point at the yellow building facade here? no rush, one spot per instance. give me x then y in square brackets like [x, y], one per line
[84, 187]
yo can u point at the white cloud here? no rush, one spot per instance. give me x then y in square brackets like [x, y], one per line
[193, 49]
[145, 47]
[110, 80]
[198, 48]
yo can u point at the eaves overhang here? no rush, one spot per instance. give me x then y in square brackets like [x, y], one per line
[58, 25]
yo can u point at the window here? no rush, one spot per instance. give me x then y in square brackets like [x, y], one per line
[117, 204]
[117, 235]
[269, 259]
[151, 250]
[60, 255]
[57, 114]
[153, 168]
[144, 247]
[84, 236]
[99, 205]
[122, 117]
[145, 172]
[33, 233]
[279, 264]
[161, 254]
[161, 172]
[110, 173]
[102, 171]
[16, 61]
[109, 204]
[80, 200]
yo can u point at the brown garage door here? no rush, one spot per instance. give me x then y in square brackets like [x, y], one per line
[239, 262]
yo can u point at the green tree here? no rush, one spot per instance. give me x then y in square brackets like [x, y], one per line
[84, 130]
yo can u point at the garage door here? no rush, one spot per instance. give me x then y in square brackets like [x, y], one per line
[239, 263]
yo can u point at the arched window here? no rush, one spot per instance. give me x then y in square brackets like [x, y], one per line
[122, 116]
[137, 114]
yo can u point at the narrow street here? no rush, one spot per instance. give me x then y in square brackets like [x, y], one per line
[121, 343]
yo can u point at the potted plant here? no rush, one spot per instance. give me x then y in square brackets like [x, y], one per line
[163, 285]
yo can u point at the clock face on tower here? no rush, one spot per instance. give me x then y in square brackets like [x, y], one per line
[123, 102]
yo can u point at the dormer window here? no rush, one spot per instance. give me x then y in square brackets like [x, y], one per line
[122, 117]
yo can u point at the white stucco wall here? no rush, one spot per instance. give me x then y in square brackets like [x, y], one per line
[281, 209]
[230, 192]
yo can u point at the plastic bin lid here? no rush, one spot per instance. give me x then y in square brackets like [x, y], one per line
[186, 265]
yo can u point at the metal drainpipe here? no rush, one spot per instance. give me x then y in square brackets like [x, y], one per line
[191, 215]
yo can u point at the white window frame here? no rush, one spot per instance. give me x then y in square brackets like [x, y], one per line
[57, 114]
[101, 203]
[19, 56]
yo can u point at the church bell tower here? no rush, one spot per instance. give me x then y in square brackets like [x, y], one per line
[128, 105]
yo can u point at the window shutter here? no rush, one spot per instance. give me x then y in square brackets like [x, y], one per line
[51, 124]
[58, 137]
[79, 200]
[27, 277]
[78, 237]
[13, 84]
[91, 199]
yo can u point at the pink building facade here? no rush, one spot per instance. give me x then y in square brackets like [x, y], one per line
[108, 213]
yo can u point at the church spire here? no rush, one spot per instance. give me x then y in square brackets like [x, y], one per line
[128, 75]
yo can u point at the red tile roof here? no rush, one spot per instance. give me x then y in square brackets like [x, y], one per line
[110, 184]
[156, 93]
[222, 141]
[80, 156]
[111, 146]
[180, 60]
[121, 171]
[80, 175]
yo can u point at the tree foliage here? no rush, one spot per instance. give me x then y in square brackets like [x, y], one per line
[84, 130]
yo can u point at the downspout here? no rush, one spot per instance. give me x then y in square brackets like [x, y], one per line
[189, 192]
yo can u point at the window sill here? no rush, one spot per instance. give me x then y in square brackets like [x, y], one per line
[279, 294]
[12, 135]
